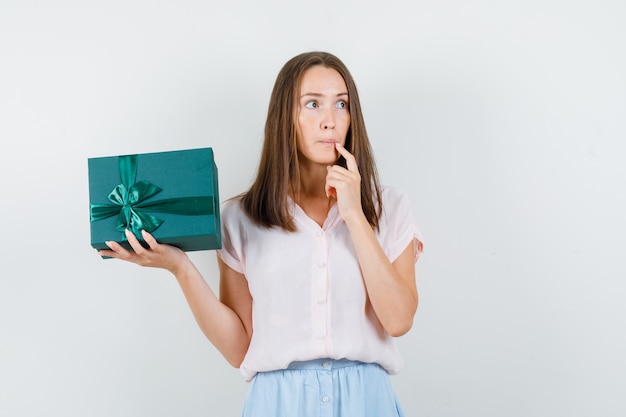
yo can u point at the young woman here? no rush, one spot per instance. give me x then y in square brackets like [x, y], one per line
[317, 269]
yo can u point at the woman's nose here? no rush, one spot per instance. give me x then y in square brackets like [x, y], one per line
[328, 122]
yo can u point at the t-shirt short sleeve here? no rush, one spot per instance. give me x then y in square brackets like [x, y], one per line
[398, 228]
[232, 219]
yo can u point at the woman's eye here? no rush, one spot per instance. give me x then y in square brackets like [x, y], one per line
[342, 105]
[311, 105]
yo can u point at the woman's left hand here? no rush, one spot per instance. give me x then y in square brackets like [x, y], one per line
[345, 185]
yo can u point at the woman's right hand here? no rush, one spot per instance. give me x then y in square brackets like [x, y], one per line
[157, 255]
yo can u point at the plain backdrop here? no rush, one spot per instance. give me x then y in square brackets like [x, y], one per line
[505, 121]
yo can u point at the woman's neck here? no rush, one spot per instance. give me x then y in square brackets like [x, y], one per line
[312, 181]
[311, 195]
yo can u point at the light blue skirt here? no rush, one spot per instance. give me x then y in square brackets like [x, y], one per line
[323, 388]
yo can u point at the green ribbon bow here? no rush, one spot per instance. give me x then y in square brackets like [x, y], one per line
[128, 205]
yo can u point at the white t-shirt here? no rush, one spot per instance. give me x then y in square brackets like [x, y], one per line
[308, 295]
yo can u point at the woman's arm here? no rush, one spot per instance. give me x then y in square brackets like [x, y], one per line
[391, 287]
[227, 323]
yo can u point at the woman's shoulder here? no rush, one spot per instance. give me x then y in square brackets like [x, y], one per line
[396, 204]
[390, 194]
[232, 203]
[232, 208]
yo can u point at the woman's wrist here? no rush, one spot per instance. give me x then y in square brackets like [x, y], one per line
[358, 219]
[181, 266]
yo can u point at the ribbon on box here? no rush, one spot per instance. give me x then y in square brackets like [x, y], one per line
[131, 211]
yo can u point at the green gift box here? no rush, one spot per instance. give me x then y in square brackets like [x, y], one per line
[173, 195]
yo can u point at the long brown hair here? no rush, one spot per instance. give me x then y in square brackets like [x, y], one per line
[278, 173]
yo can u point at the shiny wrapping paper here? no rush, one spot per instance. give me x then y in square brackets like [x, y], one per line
[173, 195]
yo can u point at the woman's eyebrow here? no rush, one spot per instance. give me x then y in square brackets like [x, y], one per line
[322, 95]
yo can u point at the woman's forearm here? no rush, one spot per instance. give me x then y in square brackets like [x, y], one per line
[220, 324]
[390, 286]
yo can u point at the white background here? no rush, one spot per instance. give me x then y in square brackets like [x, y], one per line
[503, 120]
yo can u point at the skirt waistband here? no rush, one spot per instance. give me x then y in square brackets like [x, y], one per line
[324, 364]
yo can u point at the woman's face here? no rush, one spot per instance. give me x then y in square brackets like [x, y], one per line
[323, 117]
